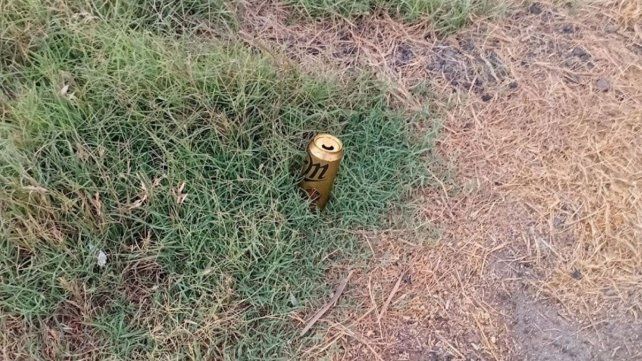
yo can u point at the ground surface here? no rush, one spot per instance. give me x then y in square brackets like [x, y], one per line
[526, 246]
[538, 252]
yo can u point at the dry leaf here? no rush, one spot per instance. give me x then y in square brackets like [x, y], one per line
[178, 193]
[35, 189]
[139, 202]
[64, 90]
[97, 204]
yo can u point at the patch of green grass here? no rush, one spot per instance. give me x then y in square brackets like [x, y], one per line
[446, 15]
[178, 159]
[173, 17]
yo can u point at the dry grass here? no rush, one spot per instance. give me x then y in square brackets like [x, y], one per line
[568, 151]
[377, 43]
[542, 117]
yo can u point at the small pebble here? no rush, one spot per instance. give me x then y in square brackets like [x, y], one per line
[603, 85]
[535, 8]
[293, 300]
[407, 278]
[579, 52]
[101, 259]
[559, 221]
[568, 29]
[576, 274]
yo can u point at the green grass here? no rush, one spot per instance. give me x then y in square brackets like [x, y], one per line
[446, 15]
[105, 124]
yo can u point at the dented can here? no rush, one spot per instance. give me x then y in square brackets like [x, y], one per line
[324, 154]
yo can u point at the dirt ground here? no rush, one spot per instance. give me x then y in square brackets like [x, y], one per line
[538, 255]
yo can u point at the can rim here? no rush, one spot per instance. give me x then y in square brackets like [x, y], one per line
[328, 143]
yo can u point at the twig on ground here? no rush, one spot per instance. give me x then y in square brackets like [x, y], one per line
[328, 305]
[390, 296]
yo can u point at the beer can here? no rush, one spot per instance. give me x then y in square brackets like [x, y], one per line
[324, 154]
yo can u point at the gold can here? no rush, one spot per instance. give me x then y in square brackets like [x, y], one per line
[324, 156]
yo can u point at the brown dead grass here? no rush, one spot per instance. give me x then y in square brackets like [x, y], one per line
[542, 117]
[376, 44]
[69, 330]
[568, 151]
[569, 154]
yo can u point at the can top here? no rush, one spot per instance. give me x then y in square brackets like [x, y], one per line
[328, 143]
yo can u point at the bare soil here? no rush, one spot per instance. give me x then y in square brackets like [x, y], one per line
[538, 202]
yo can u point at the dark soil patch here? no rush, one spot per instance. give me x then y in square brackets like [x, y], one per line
[467, 68]
[69, 332]
[404, 54]
[541, 333]
[141, 279]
